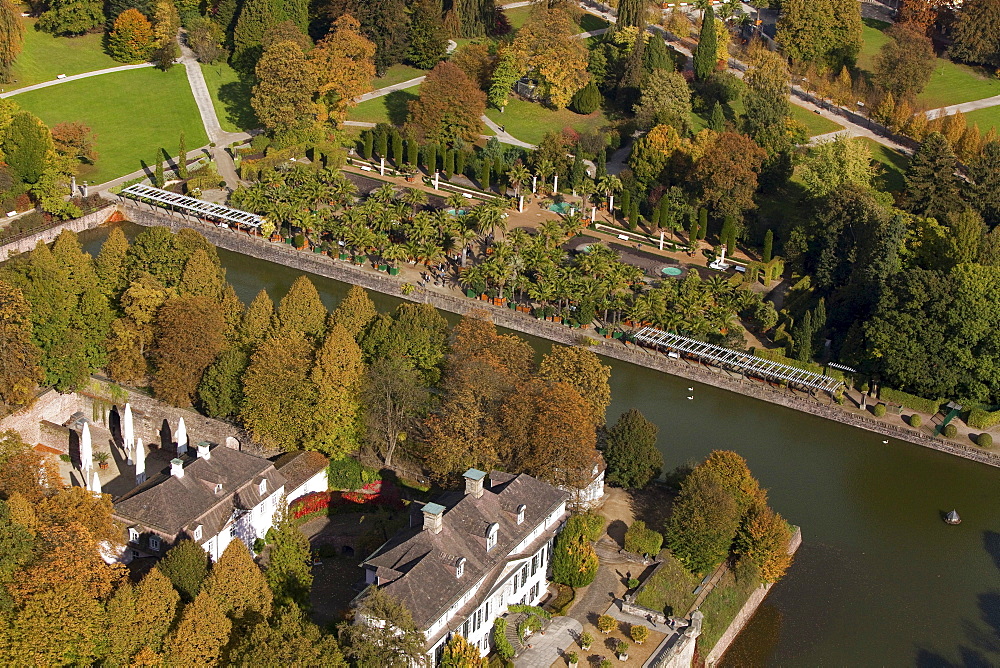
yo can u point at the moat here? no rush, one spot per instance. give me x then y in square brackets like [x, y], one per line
[879, 580]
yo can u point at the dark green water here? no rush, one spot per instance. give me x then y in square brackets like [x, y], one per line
[879, 581]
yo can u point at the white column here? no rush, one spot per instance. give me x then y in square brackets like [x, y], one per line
[72, 186]
[572, 210]
[381, 166]
[520, 204]
[534, 184]
[661, 239]
[611, 206]
[435, 179]
[593, 214]
[555, 183]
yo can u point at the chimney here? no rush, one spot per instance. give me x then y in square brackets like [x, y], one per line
[433, 516]
[474, 482]
[204, 452]
[177, 468]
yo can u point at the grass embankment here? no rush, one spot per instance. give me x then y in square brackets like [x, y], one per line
[894, 164]
[951, 83]
[815, 124]
[44, 56]
[397, 74]
[230, 97]
[721, 607]
[670, 589]
[588, 22]
[135, 114]
[530, 121]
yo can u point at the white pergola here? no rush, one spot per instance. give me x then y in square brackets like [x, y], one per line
[190, 205]
[742, 362]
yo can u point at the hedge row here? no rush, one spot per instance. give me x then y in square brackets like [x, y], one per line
[349, 473]
[981, 419]
[911, 401]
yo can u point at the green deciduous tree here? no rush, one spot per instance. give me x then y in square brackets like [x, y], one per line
[278, 398]
[630, 451]
[428, 40]
[766, 100]
[286, 84]
[826, 33]
[508, 70]
[763, 539]
[71, 17]
[393, 644]
[665, 100]
[289, 562]
[703, 521]
[220, 392]
[574, 561]
[26, 147]
[288, 639]
[458, 653]
[19, 365]
[831, 165]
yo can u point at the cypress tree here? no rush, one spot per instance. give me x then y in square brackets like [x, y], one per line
[411, 151]
[632, 13]
[819, 316]
[727, 231]
[804, 339]
[602, 164]
[182, 164]
[587, 99]
[460, 162]
[693, 228]
[449, 163]
[484, 174]
[158, 175]
[626, 203]
[382, 144]
[718, 120]
[397, 147]
[768, 246]
[705, 54]
[367, 144]
[702, 223]
[578, 172]
[430, 157]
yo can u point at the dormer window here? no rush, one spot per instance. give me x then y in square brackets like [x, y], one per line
[520, 513]
[460, 567]
[262, 488]
[154, 543]
[218, 488]
[491, 536]
[197, 532]
[133, 535]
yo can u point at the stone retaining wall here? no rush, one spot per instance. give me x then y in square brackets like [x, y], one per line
[48, 235]
[322, 265]
[748, 609]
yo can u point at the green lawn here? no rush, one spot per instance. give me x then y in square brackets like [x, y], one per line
[815, 124]
[986, 118]
[530, 121]
[135, 114]
[720, 608]
[670, 590]
[588, 22]
[230, 97]
[391, 108]
[893, 163]
[951, 83]
[397, 74]
[45, 56]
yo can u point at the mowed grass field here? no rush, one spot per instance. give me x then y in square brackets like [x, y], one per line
[136, 115]
[985, 118]
[44, 56]
[230, 97]
[392, 108]
[530, 121]
[815, 124]
[951, 83]
[894, 164]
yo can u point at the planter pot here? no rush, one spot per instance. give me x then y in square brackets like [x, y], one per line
[394, 271]
[623, 657]
[383, 267]
[103, 466]
[585, 648]
[344, 256]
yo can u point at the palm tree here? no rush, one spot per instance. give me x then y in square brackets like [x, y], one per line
[384, 193]
[456, 201]
[609, 185]
[518, 176]
[585, 189]
[544, 168]
[415, 198]
[394, 253]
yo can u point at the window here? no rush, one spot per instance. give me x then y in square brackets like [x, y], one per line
[520, 513]
[534, 592]
[218, 488]
[197, 532]
[524, 574]
[154, 543]
[534, 564]
[460, 567]
[491, 536]
[465, 629]
[133, 535]
[262, 489]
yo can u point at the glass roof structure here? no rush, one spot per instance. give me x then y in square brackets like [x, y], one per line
[190, 205]
[738, 361]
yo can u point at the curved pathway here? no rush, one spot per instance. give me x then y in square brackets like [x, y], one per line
[503, 135]
[75, 77]
[379, 92]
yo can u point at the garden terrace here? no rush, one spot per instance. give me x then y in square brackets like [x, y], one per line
[746, 364]
[190, 205]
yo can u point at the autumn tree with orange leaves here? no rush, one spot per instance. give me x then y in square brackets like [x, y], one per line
[345, 65]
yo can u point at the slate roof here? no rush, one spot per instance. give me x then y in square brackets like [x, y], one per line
[169, 505]
[297, 467]
[418, 566]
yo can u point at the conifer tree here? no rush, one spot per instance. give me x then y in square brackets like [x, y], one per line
[185, 565]
[354, 312]
[182, 350]
[220, 392]
[630, 451]
[717, 122]
[367, 144]
[255, 18]
[239, 587]
[258, 321]
[337, 375]
[19, 364]
[656, 56]
[768, 246]
[182, 164]
[931, 186]
[397, 147]
[156, 608]
[289, 562]
[428, 40]
[279, 402]
[803, 338]
[705, 53]
[301, 310]
[201, 633]
[289, 639]
[587, 99]
[158, 179]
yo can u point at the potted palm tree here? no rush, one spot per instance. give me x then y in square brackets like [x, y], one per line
[102, 459]
[572, 659]
[586, 640]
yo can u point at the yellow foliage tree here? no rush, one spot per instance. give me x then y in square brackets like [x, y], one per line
[345, 64]
[547, 43]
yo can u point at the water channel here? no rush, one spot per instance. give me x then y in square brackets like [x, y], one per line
[880, 580]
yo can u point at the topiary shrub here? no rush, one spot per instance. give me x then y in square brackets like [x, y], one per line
[950, 431]
[641, 540]
[586, 100]
[607, 623]
[916, 420]
[878, 410]
[639, 633]
[985, 440]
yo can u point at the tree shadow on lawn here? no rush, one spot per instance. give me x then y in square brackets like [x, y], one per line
[235, 98]
[397, 105]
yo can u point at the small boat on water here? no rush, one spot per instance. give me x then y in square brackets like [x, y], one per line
[952, 518]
